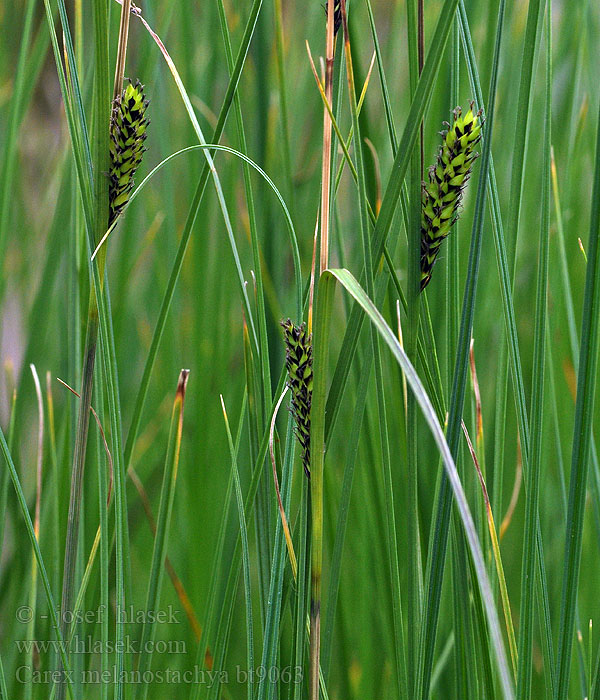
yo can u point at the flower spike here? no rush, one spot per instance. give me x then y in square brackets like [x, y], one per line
[298, 361]
[127, 135]
[448, 177]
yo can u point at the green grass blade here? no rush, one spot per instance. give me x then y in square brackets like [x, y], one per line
[260, 299]
[513, 347]
[80, 152]
[247, 161]
[437, 550]
[343, 510]
[389, 117]
[203, 653]
[187, 232]
[353, 288]
[266, 686]
[530, 48]
[3, 689]
[381, 415]
[390, 200]
[321, 330]
[167, 496]
[300, 635]
[52, 608]
[413, 263]
[465, 659]
[245, 553]
[224, 618]
[10, 144]
[586, 378]
[104, 544]
[526, 620]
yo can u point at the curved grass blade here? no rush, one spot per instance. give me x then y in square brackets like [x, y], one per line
[217, 183]
[259, 292]
[187, 232]
[259, 170]
[355, 290]
[437, 550]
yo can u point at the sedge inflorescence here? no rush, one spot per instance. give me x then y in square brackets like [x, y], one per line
[448, 177]
[298, 361]
[128, 126]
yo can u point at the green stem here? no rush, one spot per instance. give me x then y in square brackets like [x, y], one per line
[415, 574]
[526, 618]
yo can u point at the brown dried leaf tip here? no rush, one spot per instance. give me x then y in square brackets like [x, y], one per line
[298, 361]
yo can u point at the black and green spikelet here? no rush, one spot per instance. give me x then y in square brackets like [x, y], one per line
[127, 135]
[448, 177]
[298, 361]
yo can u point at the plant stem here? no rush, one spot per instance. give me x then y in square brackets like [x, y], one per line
[326, 166]
[102, 107]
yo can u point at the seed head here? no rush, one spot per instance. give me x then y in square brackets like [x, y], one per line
[448, 177]
[298, 361]
[127, 135]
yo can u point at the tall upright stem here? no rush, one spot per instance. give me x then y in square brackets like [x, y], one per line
[122, 50]
[316, 489]
[326, 172]
[102, 97]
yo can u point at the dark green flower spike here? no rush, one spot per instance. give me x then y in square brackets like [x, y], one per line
[298, 361]
[448, 177]
[127, 135]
